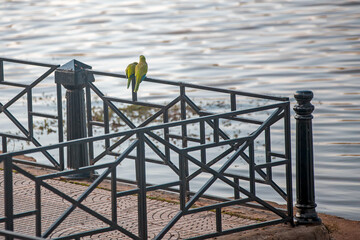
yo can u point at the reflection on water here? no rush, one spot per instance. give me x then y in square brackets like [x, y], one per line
[259, 46]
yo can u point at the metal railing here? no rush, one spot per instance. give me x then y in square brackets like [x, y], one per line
[28, 131]
[173, 149]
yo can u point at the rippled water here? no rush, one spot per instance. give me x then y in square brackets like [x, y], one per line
[274, 47]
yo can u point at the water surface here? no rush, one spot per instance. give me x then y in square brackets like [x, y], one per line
[274, 47]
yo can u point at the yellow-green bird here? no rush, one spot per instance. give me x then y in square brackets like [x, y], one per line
[130, 72]
[140, 72]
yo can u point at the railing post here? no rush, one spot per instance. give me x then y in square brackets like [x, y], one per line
[8, 196]
[305, 191]
[141, 182]
[74, 77]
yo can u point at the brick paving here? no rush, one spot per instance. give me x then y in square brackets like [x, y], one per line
[159, 212]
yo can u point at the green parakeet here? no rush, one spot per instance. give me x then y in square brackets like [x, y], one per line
[140, 72]
[130, 72]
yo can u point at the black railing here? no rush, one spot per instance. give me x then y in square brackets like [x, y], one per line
[184, 149]
[28, 134]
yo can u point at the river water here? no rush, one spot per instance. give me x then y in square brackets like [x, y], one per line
[261, 46]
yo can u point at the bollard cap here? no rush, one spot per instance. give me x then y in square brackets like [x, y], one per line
[303, 96]
[73, 75]
[303, 108]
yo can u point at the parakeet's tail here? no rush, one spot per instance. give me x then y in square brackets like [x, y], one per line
[132, 77]
[136, 87]
[138, 84]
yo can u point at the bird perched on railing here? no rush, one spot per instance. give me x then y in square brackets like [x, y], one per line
[140, 72]
[130, 72]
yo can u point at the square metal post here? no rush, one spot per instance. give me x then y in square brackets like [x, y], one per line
[8, 196]
[141, 182]
[74, 77]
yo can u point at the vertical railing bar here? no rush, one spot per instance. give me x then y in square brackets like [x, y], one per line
[216, 130]
[4, 144]
[183, 116]
[30, 109]
[38, 209]
[89, 119]
[287, 132]
[60, 125]
[267, 153]
[8, 196]
[166, 134]
[202, 141]
[1, 70]
[236, 191]
[106, 124]
[182, 178]
[141, 182]
[184, 135]
[251, 167]
[133, 94]
[218, 220]
[113, 195]
[233, 101]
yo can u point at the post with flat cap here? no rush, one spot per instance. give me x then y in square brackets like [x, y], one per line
[305, 190]
[74, 77]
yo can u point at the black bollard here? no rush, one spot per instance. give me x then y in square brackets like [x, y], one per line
[74, 78]
[305, 190]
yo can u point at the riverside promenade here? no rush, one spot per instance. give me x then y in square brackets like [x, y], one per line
[162, 206]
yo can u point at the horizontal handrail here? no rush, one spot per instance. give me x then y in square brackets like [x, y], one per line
[28, 62]
[14, 84]
[190, 85]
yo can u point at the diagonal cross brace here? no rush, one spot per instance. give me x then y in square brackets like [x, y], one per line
[131, 125]
[33, 84]
[118, 143]
[3, 108]
[264, 176]
[224, 179]
[26, 133]
[77, 203]
[197, 110]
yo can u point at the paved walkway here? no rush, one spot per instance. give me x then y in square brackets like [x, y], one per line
[159, 213]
